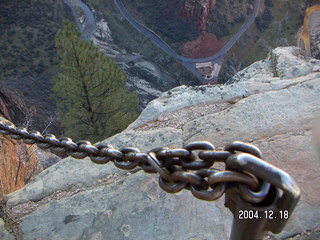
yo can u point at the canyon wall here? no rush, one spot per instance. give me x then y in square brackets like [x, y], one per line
[19, 163]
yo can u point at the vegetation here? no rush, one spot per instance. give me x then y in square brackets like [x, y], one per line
[278, 27]
[28, 58]
[91, 98]
[164, 18]
[254, 45]
[268, 3]
[263, 22]
[127, 37]
[226, 19]
[27, 30]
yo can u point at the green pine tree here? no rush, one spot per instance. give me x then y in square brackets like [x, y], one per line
[91, 99]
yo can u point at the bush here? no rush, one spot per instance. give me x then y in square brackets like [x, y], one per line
[164, 19]
[268, 3]
[264, 21]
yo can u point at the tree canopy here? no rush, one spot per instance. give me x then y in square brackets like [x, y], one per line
[91, 99]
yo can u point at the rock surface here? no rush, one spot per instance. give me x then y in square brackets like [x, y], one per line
[283, 68]
[4, 235]
[71, 173]
[18, 164]
[132, 208]
[271, 104]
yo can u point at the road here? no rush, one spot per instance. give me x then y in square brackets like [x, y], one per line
[190, 62]
[81, 10]
[154, 37]
[205, 69]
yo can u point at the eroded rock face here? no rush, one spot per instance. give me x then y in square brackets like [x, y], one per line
[273, 111]
[11, 105]
[290, 63]
[18, 164]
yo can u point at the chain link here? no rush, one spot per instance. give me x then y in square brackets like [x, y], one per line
[180, 168]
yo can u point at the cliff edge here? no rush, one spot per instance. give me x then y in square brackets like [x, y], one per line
[272, 104]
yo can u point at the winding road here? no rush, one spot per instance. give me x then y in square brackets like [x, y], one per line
[80, 9]
[191, 63]
[205, 69]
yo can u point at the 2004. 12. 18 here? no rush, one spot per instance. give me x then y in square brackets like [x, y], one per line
[267, 214]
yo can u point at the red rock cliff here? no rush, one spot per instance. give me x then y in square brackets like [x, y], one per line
[19, 163]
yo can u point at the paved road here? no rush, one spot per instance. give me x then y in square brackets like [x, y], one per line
[215, 61]
[155, 38]
[89, 26]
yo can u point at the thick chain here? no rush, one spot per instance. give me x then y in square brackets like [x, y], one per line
[179, 168]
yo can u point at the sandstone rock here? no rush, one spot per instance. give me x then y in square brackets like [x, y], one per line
[13, 106]
[18, 164]
[134, 208]
[4, 235]
[274, 113]
[147, 140]
[289, 62]
[63, 175]
[284, 68]
[73, 173]
[295, 153]
[257, 72]
[261, 115]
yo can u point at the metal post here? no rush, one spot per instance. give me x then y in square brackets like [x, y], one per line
[249, 222]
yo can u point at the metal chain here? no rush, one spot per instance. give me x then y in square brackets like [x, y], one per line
[179, 168]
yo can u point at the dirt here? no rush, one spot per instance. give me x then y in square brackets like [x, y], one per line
[205, 45]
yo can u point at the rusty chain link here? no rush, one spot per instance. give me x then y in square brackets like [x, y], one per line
[179, 168]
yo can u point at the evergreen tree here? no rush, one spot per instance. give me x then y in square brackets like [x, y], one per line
[91, 99]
